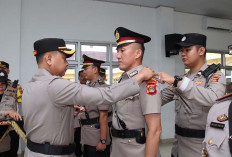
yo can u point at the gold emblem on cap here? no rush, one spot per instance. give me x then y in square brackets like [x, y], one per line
[117, 36]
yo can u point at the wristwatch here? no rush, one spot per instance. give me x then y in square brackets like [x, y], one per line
[103, 141]
[177, 79]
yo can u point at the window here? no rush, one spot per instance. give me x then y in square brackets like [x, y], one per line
[102, 51]
[226, 65]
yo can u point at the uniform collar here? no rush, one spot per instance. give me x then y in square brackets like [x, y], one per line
[95, 81]
[198, 72]
[40, 73]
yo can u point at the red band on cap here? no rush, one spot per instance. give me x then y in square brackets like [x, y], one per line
[131, 38]
[96, 63]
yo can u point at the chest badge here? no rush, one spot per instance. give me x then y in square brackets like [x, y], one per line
[151, 86]
[198, 82]
[222, 118]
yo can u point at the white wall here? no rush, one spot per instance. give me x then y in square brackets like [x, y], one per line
[96, 21]
[10, 35]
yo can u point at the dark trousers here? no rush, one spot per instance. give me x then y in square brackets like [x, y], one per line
[14, 143]
[90, 151]
[5, 154]
[77, 139]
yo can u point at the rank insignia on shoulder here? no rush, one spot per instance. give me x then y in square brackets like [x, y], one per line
[100, 81]
[198, 82]
[222, 118]
[215, 78]
[133, 73]
[151, 86]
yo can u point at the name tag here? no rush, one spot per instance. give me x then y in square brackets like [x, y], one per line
[217, 125]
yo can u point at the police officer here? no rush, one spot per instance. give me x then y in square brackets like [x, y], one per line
[7, 111]
[103, 73]
[77, 127]
[195, 92]
[95, 120]
[48, 100]
[217, 142]
[136, 122]
[14, 89]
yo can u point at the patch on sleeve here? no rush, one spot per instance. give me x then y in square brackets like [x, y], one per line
[215, 78]
[151, 86]
[198, 82]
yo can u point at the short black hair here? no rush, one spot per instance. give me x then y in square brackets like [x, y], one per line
[39, 57]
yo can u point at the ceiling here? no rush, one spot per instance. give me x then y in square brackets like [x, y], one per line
[212, 8]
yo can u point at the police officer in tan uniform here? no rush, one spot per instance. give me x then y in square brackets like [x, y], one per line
[77, 127]
[194, 94]
[48, 100]
[103, 73]
[217, 142]
[7, 111]
[15, 90]
[95, 120]
[136, 122]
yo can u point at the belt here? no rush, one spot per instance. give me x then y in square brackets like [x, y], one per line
[127, 133]
[48, 149]
[185, 132]
[91, 121]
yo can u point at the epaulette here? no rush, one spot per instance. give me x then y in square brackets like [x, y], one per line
[100, 81]
[225, 97]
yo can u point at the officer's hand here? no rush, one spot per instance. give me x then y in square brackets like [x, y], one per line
[165, 78]
[13, 115]
[144, 74]
[100, 147]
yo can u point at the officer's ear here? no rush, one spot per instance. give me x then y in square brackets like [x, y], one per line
[201, 51]
[138, 53]
[48, 58]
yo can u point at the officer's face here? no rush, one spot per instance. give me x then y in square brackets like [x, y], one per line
[126, 57]
[2, 87]
[81, 78]
[59, 64]
[89, 72]
[191, 56]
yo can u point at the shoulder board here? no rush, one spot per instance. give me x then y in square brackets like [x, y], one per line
[101, 81]
[226, 97]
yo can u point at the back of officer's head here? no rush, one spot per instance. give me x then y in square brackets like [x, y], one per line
[50, 47]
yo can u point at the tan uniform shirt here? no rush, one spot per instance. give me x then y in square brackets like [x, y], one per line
[132, 111]
[7, 103]
[216, 139]
[200, 96]
[48, 105]
[89, 134]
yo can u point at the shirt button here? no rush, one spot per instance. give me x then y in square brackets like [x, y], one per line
[210, 142]
[91, 126]
[129, 141]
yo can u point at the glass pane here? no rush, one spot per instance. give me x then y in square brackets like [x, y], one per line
[70, 74]
[97, 52]
[228, 81]
[71, 46]
[228, 60]
[114, 54]
[116, 75]
[213, 58]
